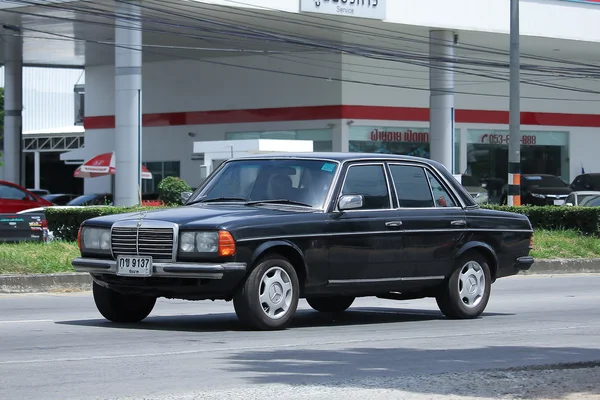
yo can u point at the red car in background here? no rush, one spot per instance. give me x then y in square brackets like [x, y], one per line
[15, 198]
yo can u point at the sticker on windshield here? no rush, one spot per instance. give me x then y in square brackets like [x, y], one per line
[533, 178]
[329, 167]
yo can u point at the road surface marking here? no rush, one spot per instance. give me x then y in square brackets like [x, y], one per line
[26, 321]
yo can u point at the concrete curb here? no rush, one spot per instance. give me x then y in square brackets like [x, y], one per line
[556, 267]
[82, 281]
[44, 282]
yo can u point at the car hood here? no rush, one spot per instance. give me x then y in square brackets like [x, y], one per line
[555, 190]
[203, 215]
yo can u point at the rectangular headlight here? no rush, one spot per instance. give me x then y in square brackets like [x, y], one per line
[95, 239]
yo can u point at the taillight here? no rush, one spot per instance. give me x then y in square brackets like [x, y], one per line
[226, 244]
[531, 243]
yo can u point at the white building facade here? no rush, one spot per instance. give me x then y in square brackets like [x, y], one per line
[297, 83]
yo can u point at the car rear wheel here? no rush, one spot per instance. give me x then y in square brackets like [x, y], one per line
[466, 293]
[269, 298]
[122, 308]
[335, 304]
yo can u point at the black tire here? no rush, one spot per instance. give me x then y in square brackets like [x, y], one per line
[449, 299]
[334, 304]
[247, 301]
[121, 308]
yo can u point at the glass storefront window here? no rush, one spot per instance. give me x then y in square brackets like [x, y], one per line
[396, 140]
[160, 170]
[321, 137]
[542, 152]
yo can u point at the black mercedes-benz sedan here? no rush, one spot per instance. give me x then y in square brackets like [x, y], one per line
[267, 230]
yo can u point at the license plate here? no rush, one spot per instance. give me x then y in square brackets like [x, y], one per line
[559, 202]
[134, 266]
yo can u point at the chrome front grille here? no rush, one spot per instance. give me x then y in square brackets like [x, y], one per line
[158, 243]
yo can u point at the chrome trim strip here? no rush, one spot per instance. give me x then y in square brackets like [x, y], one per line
[162, 269]
[383, 280]
[395, 232]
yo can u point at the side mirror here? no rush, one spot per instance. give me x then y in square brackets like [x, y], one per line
[569, 204]
[185, 196]
[350, 202]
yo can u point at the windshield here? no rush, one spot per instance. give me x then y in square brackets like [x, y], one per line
[543, 181]
[295, 180]
[590, 200]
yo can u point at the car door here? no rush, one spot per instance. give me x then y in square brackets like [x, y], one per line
[365, 244]
[433, 221]
[13, 199]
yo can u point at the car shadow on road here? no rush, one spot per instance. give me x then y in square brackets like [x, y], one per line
[216, 322]
[476, 372]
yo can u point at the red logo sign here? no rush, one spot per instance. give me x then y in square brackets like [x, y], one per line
[408, 136]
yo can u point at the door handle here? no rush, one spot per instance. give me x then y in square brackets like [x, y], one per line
[460, 222]
[392, 224]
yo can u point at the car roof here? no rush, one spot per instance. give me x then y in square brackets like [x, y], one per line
[341, 157]
[544, 175]
[587, 192]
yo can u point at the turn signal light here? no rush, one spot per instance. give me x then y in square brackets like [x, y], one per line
[226, 244]
[79, 239]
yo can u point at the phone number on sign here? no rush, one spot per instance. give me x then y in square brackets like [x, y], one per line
[504, 139]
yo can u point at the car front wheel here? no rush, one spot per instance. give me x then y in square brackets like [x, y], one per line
[269, 298]
[122, 308]
[330, 304]
[466, 293]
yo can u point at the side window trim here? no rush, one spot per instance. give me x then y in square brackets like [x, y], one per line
[426, 168]
[387, 182]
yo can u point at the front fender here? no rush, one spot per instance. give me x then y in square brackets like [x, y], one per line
[298, 255]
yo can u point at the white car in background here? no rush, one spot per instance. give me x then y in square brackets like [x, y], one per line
[582, 198]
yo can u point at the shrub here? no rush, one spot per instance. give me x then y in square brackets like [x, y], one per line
[583, 219]
[170, 189]
[65, 222]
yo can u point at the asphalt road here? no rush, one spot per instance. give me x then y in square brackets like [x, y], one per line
[56, 346]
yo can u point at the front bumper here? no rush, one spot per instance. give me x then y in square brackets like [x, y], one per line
[163, 269]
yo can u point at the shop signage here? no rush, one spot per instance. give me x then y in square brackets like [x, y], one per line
[528, 138]
[408, 136]
[492, 138]
[374, 9]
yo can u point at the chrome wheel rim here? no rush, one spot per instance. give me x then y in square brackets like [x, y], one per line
[275, 293]
[471, 284]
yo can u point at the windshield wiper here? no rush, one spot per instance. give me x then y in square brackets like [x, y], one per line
[217, 199]
[278, 201]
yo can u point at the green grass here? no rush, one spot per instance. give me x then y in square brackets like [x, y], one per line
[564, 244]
[37, 258]
[55, 257]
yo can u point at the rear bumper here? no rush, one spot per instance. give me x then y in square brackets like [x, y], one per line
[163, 269]
[524, 263]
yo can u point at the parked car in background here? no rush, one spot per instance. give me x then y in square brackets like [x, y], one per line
[14, 198]
[266, 230]
[106, 199]
[60, 199]
[95, 199]
[39, 192]
[580, 198]
[587, 182]
[542, 190]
